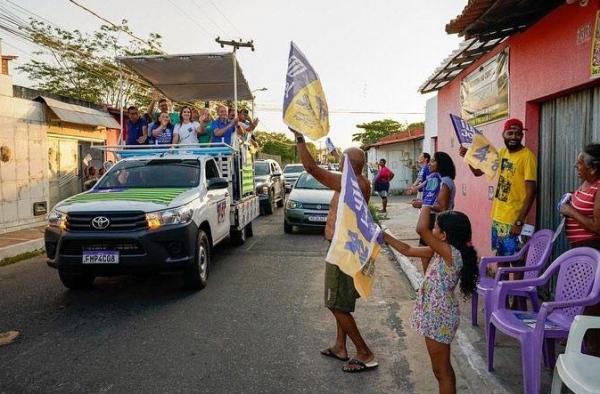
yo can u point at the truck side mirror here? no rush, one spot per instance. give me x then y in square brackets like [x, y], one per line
[217, 183]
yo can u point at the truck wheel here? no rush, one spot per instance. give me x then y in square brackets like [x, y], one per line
[76, 281]
[237, 237]
[269, 204]
[249, 231]
[195, 277]
[287, 228]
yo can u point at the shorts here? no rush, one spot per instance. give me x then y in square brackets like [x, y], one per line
[503, 243]
[383, 194]
[340, 292]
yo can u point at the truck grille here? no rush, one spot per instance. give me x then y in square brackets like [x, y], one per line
[124, 247]
[317, 207]
[119, 221]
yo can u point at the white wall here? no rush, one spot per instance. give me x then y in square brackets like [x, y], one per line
[430, 124]
[400, 158]
[24, 178]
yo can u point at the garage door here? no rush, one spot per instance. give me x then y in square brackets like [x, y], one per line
[567, 124]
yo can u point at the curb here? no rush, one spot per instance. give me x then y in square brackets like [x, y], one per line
[20, 248]
[476, 362]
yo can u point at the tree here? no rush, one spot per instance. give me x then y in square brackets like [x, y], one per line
[281, 145]
[84, 66]
[374, 131]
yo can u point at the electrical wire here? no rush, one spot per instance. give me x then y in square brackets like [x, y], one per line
[208, 18]
[225, 17]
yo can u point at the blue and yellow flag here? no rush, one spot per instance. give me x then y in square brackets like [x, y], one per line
[304, 105]
[357, 239]
[482, 155]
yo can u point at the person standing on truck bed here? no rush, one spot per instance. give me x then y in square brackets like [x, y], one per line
[137, 128]
[161, 131]
[205, 132]
[186, 131]
[222, 127]
[163, 106]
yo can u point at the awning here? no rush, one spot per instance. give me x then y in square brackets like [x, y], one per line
[487, 19]
[191, 77]
[80, 115]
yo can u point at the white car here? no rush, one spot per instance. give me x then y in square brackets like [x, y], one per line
[291, 173]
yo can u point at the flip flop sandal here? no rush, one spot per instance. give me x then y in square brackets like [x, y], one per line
[355, 366]
[329, 353]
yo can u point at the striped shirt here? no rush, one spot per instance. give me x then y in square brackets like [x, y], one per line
[583, 202]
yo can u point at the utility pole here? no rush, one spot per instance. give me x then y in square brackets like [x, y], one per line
[236, 45]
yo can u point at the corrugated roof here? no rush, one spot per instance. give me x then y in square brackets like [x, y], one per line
[191, 77]
[79, 115]
[396, 138]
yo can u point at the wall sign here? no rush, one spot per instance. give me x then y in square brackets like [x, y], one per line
[484, 92]
[40, 208]
[595, 56]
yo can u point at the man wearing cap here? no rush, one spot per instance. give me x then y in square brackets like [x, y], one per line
[516, 189]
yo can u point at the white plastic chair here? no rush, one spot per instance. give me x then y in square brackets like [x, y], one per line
[579, 372]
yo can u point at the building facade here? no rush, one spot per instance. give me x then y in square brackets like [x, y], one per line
[551, 88]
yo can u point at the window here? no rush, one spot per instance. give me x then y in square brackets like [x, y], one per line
[211, 170]
[160, 173]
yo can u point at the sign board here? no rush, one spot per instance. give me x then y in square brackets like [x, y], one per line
[484, 92]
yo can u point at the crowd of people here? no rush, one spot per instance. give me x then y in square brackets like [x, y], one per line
[161, 126]
[448, 257]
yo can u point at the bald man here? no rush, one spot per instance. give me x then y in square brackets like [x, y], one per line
[340, 293]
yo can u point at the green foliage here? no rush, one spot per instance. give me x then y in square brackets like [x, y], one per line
[374, 214]
[374, 131]
[281, 145]
[83, 65]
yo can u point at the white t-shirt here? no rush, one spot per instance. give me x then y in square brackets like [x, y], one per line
[186, 132]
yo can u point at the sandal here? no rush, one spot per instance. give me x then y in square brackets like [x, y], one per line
[329, 353]
[355, 366]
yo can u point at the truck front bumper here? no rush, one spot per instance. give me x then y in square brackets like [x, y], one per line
[167, 248]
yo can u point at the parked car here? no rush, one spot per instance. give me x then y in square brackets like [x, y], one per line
[307, 204]
[270, 185]
[291, 173]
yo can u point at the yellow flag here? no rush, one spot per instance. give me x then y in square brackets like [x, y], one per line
[304, 105]
[482, 155]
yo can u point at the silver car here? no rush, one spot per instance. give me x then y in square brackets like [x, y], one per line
[291, 173]
[307, 204]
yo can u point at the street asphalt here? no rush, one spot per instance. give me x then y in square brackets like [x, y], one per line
[257, 328]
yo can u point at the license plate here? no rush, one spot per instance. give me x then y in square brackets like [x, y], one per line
[321, 219]
[100, 257]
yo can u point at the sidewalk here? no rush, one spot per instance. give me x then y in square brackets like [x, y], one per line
[23, 241]
[469, 346]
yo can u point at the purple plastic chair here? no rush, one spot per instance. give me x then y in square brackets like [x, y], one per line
[578, 285]
[538, 250]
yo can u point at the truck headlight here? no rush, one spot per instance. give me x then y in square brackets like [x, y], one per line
[291, 204]
[58, 219]
[179, 215]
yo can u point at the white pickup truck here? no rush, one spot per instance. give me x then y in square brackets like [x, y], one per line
[154, 210]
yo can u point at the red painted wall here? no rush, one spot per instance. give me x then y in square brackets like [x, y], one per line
[545, 61]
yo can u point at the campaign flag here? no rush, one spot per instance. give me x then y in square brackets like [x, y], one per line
[304, 105]
[482, 155]
[357, 239]
[329, 145]
[464, 131]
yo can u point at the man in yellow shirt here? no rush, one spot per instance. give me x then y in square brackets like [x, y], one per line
[516, 189]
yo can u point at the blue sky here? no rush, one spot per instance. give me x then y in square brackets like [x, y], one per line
[370, 55]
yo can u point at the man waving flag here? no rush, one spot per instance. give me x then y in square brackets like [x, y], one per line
[357, 239]
[304, 105]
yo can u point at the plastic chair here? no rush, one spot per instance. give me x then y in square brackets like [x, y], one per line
[537, 249]
[578, 285]
[579, 372]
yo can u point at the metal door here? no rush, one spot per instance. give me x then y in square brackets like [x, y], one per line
[567, 124]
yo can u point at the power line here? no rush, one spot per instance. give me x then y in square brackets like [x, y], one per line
[208, 18]
[225, 17]
[198, 25]
[341, 111]
[117, 26]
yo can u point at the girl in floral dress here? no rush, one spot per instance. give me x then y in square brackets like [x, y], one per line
[449, 258]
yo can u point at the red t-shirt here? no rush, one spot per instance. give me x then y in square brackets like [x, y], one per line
[384, 175]
[583, 202]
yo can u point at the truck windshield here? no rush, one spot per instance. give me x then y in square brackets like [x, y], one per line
[152, 174]
[307, 181]
[289, 169]
[261, 169]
